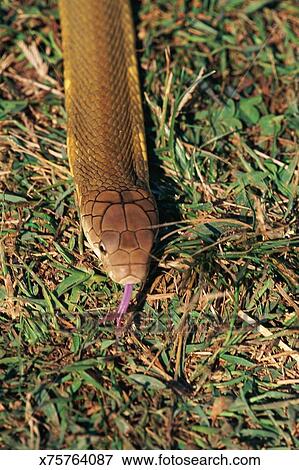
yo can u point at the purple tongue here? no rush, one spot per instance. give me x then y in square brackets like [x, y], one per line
[124, 304]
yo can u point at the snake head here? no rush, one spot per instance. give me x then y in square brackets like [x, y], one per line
[119, 228]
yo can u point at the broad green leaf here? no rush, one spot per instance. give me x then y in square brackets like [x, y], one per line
[248, 109]
[270, 124]
[78, 277]
[147, 381]
[8, 107]
[237, 360]
[14, 198]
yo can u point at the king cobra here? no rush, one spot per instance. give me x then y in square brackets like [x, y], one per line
[105, 137]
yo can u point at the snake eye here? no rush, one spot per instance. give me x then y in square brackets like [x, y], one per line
[102, 248]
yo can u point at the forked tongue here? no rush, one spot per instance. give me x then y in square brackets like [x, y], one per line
[124, 303]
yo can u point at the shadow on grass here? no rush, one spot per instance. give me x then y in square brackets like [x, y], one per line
[163, 187]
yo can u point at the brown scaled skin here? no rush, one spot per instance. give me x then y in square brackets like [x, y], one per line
[118, 226]
[106, 143]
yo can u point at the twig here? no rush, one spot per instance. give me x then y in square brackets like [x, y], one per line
[266, 333]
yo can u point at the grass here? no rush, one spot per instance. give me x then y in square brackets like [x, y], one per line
[208, 354]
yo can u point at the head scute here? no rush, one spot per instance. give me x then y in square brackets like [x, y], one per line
[118, 225]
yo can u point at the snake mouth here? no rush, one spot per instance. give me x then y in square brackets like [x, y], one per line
[122, 274]
[130, 280]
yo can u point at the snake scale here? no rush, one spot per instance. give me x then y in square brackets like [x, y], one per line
[105, 135]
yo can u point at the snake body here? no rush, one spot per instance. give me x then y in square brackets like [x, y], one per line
[105, 135]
